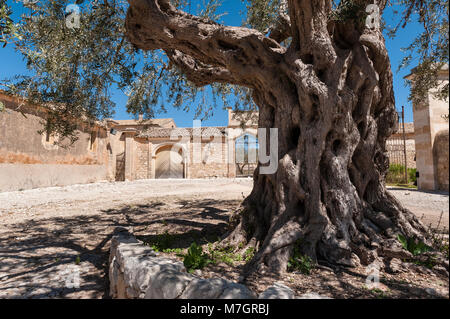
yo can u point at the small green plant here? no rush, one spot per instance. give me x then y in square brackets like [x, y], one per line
[299, 262]
[177, 251]
[249, 253]
[77, 260]
[224, 254]
[414, 246]
[378, 293]
[195, 258]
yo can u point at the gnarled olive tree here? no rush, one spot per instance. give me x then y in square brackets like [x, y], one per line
[329, 92]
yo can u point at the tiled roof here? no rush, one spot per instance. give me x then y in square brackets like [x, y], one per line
[182, 132]
[166, 123]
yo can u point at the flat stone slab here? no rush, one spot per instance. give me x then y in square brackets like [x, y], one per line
[137, 272]
[277, 291]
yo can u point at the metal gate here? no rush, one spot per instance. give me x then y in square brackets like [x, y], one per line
[396, 148]
[246, 147]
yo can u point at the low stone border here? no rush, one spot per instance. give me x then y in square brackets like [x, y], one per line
[135, 271]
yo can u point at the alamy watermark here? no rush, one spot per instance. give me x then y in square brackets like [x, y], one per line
[373, 276]
[69, 276]
[373, 18]
[73, 16]
[206, 146]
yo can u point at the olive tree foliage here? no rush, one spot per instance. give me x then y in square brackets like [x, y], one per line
[429, 49]
[7, 27]
[75, 69]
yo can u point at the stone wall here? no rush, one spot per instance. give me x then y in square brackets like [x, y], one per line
[15, 177]
[441, 156]
[141, 159]
[137, 272]
[211, 162]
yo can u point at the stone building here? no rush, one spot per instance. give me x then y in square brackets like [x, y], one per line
[158, 149]
[431, 139]
[117, 150]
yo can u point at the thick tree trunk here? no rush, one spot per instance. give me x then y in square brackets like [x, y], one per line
[328, 195]
[330, 96]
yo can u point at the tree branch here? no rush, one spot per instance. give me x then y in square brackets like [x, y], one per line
[197, 72]
[309, 21]
[282, 28]
[234, 53]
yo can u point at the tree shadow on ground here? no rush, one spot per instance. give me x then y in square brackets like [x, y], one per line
[36, 256]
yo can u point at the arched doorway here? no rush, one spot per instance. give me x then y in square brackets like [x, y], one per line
[246, 147]
[169, 163]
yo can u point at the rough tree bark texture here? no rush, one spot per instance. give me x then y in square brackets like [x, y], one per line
[330, 95]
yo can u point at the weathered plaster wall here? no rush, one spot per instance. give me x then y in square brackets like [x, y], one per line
[27, 176]
[29, 159]
[141, 159]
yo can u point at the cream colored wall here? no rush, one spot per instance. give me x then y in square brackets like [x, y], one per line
[428, 121]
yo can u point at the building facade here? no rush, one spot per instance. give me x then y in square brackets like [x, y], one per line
[121, 150]
[158, 149]
[431, 139]
[116, 150]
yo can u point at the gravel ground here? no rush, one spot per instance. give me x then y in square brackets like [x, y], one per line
[48, 235]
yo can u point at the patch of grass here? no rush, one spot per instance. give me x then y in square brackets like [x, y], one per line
[417, 248]
[299, 262]
[378, 293]
[396, 175]
[409, 186]
[224, 254]
[176, 251]
[249, 253]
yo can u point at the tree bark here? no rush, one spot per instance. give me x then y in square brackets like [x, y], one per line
[330, 95]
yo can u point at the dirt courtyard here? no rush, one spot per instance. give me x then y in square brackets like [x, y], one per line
[44, 233]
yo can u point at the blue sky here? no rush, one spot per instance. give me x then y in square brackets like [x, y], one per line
[11, 63]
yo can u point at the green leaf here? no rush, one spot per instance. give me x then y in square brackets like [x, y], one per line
[402, 239]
